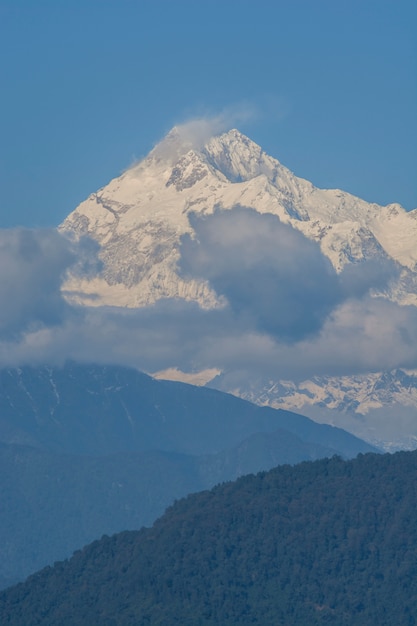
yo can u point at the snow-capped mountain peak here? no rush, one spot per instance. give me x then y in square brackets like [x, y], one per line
[139, 219]
[237, 157]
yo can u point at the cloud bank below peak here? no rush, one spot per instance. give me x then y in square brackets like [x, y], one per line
[274, 279]
[286, 314]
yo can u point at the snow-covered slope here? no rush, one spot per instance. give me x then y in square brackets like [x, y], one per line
[138, 219]
[380, 407]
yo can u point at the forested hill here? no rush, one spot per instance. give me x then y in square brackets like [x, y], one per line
[324, 542]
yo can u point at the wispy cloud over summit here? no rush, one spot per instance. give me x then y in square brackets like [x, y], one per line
[195, 131]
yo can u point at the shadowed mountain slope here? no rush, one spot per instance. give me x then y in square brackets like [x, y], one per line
[99, 410]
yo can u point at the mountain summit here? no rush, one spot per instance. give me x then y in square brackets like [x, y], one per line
[139, 218]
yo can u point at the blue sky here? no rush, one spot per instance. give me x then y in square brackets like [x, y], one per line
[327, 87]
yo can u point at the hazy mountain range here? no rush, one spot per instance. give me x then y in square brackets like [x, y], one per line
[88, 449]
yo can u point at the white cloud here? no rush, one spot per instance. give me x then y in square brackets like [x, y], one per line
[288, 314]
[274, 279]
[193, 133]
[196, 132]
[32, 265]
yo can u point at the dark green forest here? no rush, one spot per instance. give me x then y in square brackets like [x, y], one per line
[324, 542]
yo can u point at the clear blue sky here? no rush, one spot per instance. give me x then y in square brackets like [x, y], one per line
[89, 86]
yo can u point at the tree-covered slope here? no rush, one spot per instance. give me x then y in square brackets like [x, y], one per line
[325, 542]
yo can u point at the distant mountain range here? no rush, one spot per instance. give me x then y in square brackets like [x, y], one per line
[140, 219]
[328, 542]
[88, 449]
[372, 406]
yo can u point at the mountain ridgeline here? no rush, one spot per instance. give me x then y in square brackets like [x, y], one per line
[324, 542]
[99, 410]
[87, 450]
